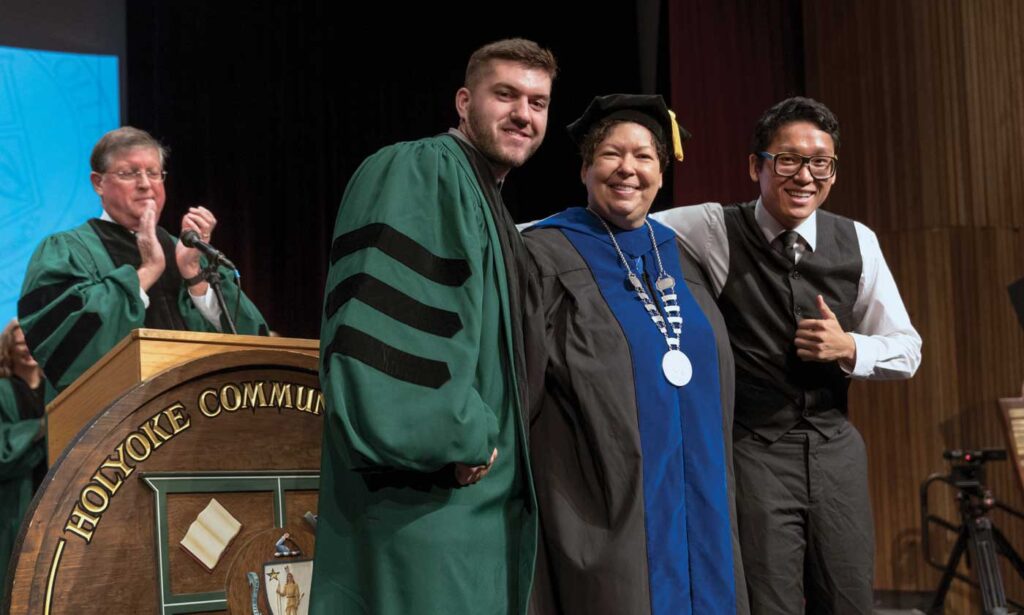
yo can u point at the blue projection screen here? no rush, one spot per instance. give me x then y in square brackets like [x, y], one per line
[53, 109]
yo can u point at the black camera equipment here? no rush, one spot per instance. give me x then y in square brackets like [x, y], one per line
[976, 533]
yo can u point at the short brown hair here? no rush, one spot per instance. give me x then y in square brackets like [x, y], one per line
[519, 50]
[121, 139]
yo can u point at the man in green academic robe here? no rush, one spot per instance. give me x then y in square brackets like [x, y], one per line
[88, 287]
[426, 501]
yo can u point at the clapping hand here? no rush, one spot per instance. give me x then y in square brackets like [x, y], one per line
[202, 221]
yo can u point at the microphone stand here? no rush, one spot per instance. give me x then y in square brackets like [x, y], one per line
[213, 279]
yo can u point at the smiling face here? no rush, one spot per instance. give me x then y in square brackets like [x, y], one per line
[790, 200]
[624, 175]
[20, 354]
[505, 112]
[126, 200]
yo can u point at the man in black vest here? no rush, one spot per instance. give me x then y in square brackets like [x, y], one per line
[810, 303]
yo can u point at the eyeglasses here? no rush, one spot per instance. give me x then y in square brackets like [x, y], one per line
[788, 164]
[135, 175]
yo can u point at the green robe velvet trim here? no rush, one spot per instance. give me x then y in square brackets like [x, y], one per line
[395, 535]
[76, 305]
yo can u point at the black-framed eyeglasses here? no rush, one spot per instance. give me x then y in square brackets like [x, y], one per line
[135, 175]
[788, 164]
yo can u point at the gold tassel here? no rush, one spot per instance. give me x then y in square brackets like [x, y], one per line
[677, 142]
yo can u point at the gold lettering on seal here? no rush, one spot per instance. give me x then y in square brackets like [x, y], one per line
[253, 395]
[118, 462]
[97, 504]
[95, 497]
[304, 403]
[281, 395]
[155, 440]
[231, 397]
[179, 421]
[101, 478]
[204, 403]
[233, 401]
[81, 523]
[143, 449]
[156, 435]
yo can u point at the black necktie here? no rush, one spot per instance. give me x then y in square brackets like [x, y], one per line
[789, 239]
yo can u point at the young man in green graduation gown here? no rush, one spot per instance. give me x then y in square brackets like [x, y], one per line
[426, 502]
[88, 287]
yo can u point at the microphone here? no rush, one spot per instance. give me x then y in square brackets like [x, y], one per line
[191, 240]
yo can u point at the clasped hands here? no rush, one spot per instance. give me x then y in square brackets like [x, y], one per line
[467, 475]
[198, 219]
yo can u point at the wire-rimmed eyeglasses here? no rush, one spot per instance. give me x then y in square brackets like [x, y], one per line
[135, 175]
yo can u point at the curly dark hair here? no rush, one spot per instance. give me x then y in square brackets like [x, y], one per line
[599, 131]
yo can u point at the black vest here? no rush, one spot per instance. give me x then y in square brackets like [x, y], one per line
[763, 298]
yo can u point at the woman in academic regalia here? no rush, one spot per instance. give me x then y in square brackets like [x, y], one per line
[628, 448]
[22, 432]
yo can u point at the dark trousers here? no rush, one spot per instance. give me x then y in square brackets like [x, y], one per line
[806, 531]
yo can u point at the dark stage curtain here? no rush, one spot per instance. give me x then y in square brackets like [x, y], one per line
[729, 61]
[270, 107]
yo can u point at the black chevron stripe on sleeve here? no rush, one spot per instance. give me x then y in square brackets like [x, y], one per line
[41, 297]
[397, 245]
[394, 303]
[388, 359]
[49, 322]
[71, 346]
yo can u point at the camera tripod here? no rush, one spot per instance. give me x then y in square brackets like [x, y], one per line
[976, 534]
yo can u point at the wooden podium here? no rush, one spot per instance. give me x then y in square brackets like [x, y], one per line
[140, 444]
[143, 353]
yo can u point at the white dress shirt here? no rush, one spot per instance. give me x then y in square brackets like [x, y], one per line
[206, 303]
[888, 346]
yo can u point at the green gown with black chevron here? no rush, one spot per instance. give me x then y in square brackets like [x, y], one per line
[419, 353]
[81, 297]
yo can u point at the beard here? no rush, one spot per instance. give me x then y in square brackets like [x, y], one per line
[488, 142]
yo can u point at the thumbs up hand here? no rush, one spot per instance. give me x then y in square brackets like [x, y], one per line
[823, 339]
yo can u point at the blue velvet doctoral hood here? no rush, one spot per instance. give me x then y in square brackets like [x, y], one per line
[689, 548]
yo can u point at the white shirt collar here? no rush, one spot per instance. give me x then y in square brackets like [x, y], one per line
[106, 217]
[808, 229]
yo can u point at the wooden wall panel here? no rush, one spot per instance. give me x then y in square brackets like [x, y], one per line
[953, 281]
[993, 61]
[929, 94]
